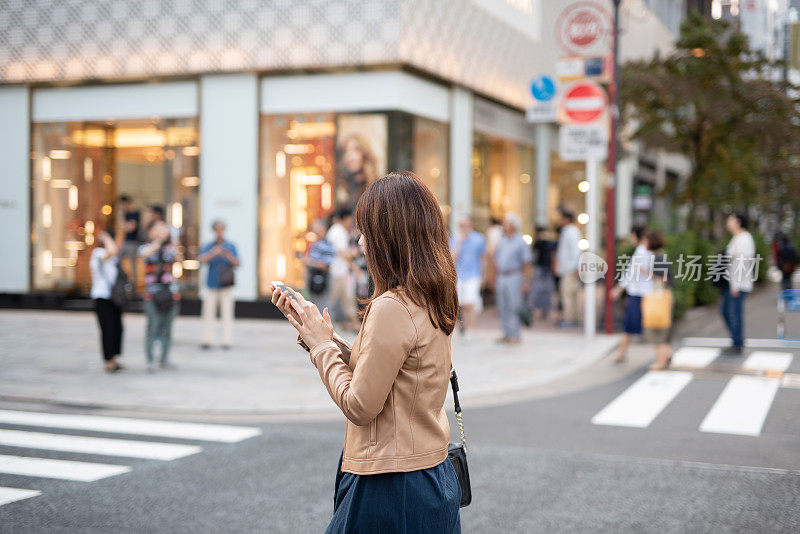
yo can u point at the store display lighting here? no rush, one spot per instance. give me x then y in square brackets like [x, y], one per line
[583, 244]
[190, 181]
[88, 169]
[435, 172]
[106, 209]
[583, 186]
[89, 226]
[177, 269]
[191, 265]
[305, 148]
[46, 169]
[327, 196]
[583, 218]
[61, 184]
[527, 238]
[60, 154]
[280, 266]
[177, 214]
[47, 216]
[73, 197]
[312, 179]
[525, 178]
[47, 262]
[191, 151]
[280, 163]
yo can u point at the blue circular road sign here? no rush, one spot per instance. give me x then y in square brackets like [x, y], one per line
[543, 88]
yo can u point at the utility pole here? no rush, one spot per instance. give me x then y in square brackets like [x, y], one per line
[613, 148]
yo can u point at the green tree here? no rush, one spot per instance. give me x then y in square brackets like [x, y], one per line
[724, 107]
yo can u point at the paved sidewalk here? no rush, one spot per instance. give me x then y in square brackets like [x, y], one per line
[52, 356]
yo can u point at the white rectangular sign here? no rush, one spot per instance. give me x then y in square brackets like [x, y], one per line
[582, 142]
[542, 112]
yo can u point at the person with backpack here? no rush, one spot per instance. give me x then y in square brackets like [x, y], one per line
[221, 258]
[318, 261]
[104, 265]
[161, 296]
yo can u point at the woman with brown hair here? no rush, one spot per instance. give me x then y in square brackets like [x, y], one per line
[394, 474]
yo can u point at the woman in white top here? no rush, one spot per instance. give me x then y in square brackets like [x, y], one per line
[104, 264]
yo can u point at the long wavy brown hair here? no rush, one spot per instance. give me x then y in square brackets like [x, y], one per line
[406, 245]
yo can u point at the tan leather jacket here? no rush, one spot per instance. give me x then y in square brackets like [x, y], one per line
[391, 385]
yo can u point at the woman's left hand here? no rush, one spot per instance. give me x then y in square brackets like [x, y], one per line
[314, 327]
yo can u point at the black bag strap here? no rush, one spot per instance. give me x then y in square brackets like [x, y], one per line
[457, 405]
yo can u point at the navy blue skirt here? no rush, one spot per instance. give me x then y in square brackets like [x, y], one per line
[418, 502]
[632, 324]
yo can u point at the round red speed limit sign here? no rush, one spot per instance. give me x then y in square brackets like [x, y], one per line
[584, 102]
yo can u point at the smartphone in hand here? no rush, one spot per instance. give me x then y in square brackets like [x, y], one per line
[280, 285]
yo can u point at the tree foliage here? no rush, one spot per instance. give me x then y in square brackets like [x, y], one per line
[724, 107]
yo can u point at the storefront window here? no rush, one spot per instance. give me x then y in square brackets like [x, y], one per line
[502, 181]
[313, 164]
[80, 169]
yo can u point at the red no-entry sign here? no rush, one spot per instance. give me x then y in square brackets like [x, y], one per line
[584, 102]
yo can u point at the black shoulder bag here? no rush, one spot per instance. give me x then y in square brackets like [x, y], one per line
[457, 452]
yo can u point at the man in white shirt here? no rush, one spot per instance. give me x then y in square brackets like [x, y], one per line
[742, 271]
[342, 296]
[566, 268]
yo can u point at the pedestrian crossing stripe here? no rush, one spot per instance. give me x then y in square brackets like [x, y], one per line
[79, 471]
[123, 425]
[638, 405]
[740, 409]
[8, 495]
[102, 446]
[60, 469]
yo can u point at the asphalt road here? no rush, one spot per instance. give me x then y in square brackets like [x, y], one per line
[536, 466]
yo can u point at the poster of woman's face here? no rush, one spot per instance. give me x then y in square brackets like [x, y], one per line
[360, 154]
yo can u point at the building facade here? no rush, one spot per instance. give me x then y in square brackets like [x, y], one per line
[267, 115]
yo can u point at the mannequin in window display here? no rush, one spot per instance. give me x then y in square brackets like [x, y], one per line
[357, 169]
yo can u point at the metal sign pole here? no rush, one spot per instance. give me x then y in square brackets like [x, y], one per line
[590, 294]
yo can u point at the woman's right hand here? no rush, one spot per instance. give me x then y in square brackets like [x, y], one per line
[282, 301]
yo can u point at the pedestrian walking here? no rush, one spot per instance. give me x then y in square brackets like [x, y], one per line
[342, 292]
[543, 283]
[636, 282]
[786, 260]
[657, 303]
[468, 248]
[394, 474]
[566, 268]
[161, 296]
[104, 265]
[221, 258]
[741, 251]
[318, 259]
[513, 265]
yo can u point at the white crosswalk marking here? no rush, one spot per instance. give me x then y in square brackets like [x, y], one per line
[742, 407]
[762, 360]
[88, 471]
[694, 356]
[122, 425]
[641, 403]
[61, 469]
[91, 445]
[8, 495]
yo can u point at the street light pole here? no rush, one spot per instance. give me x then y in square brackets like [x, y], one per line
[612, 176]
